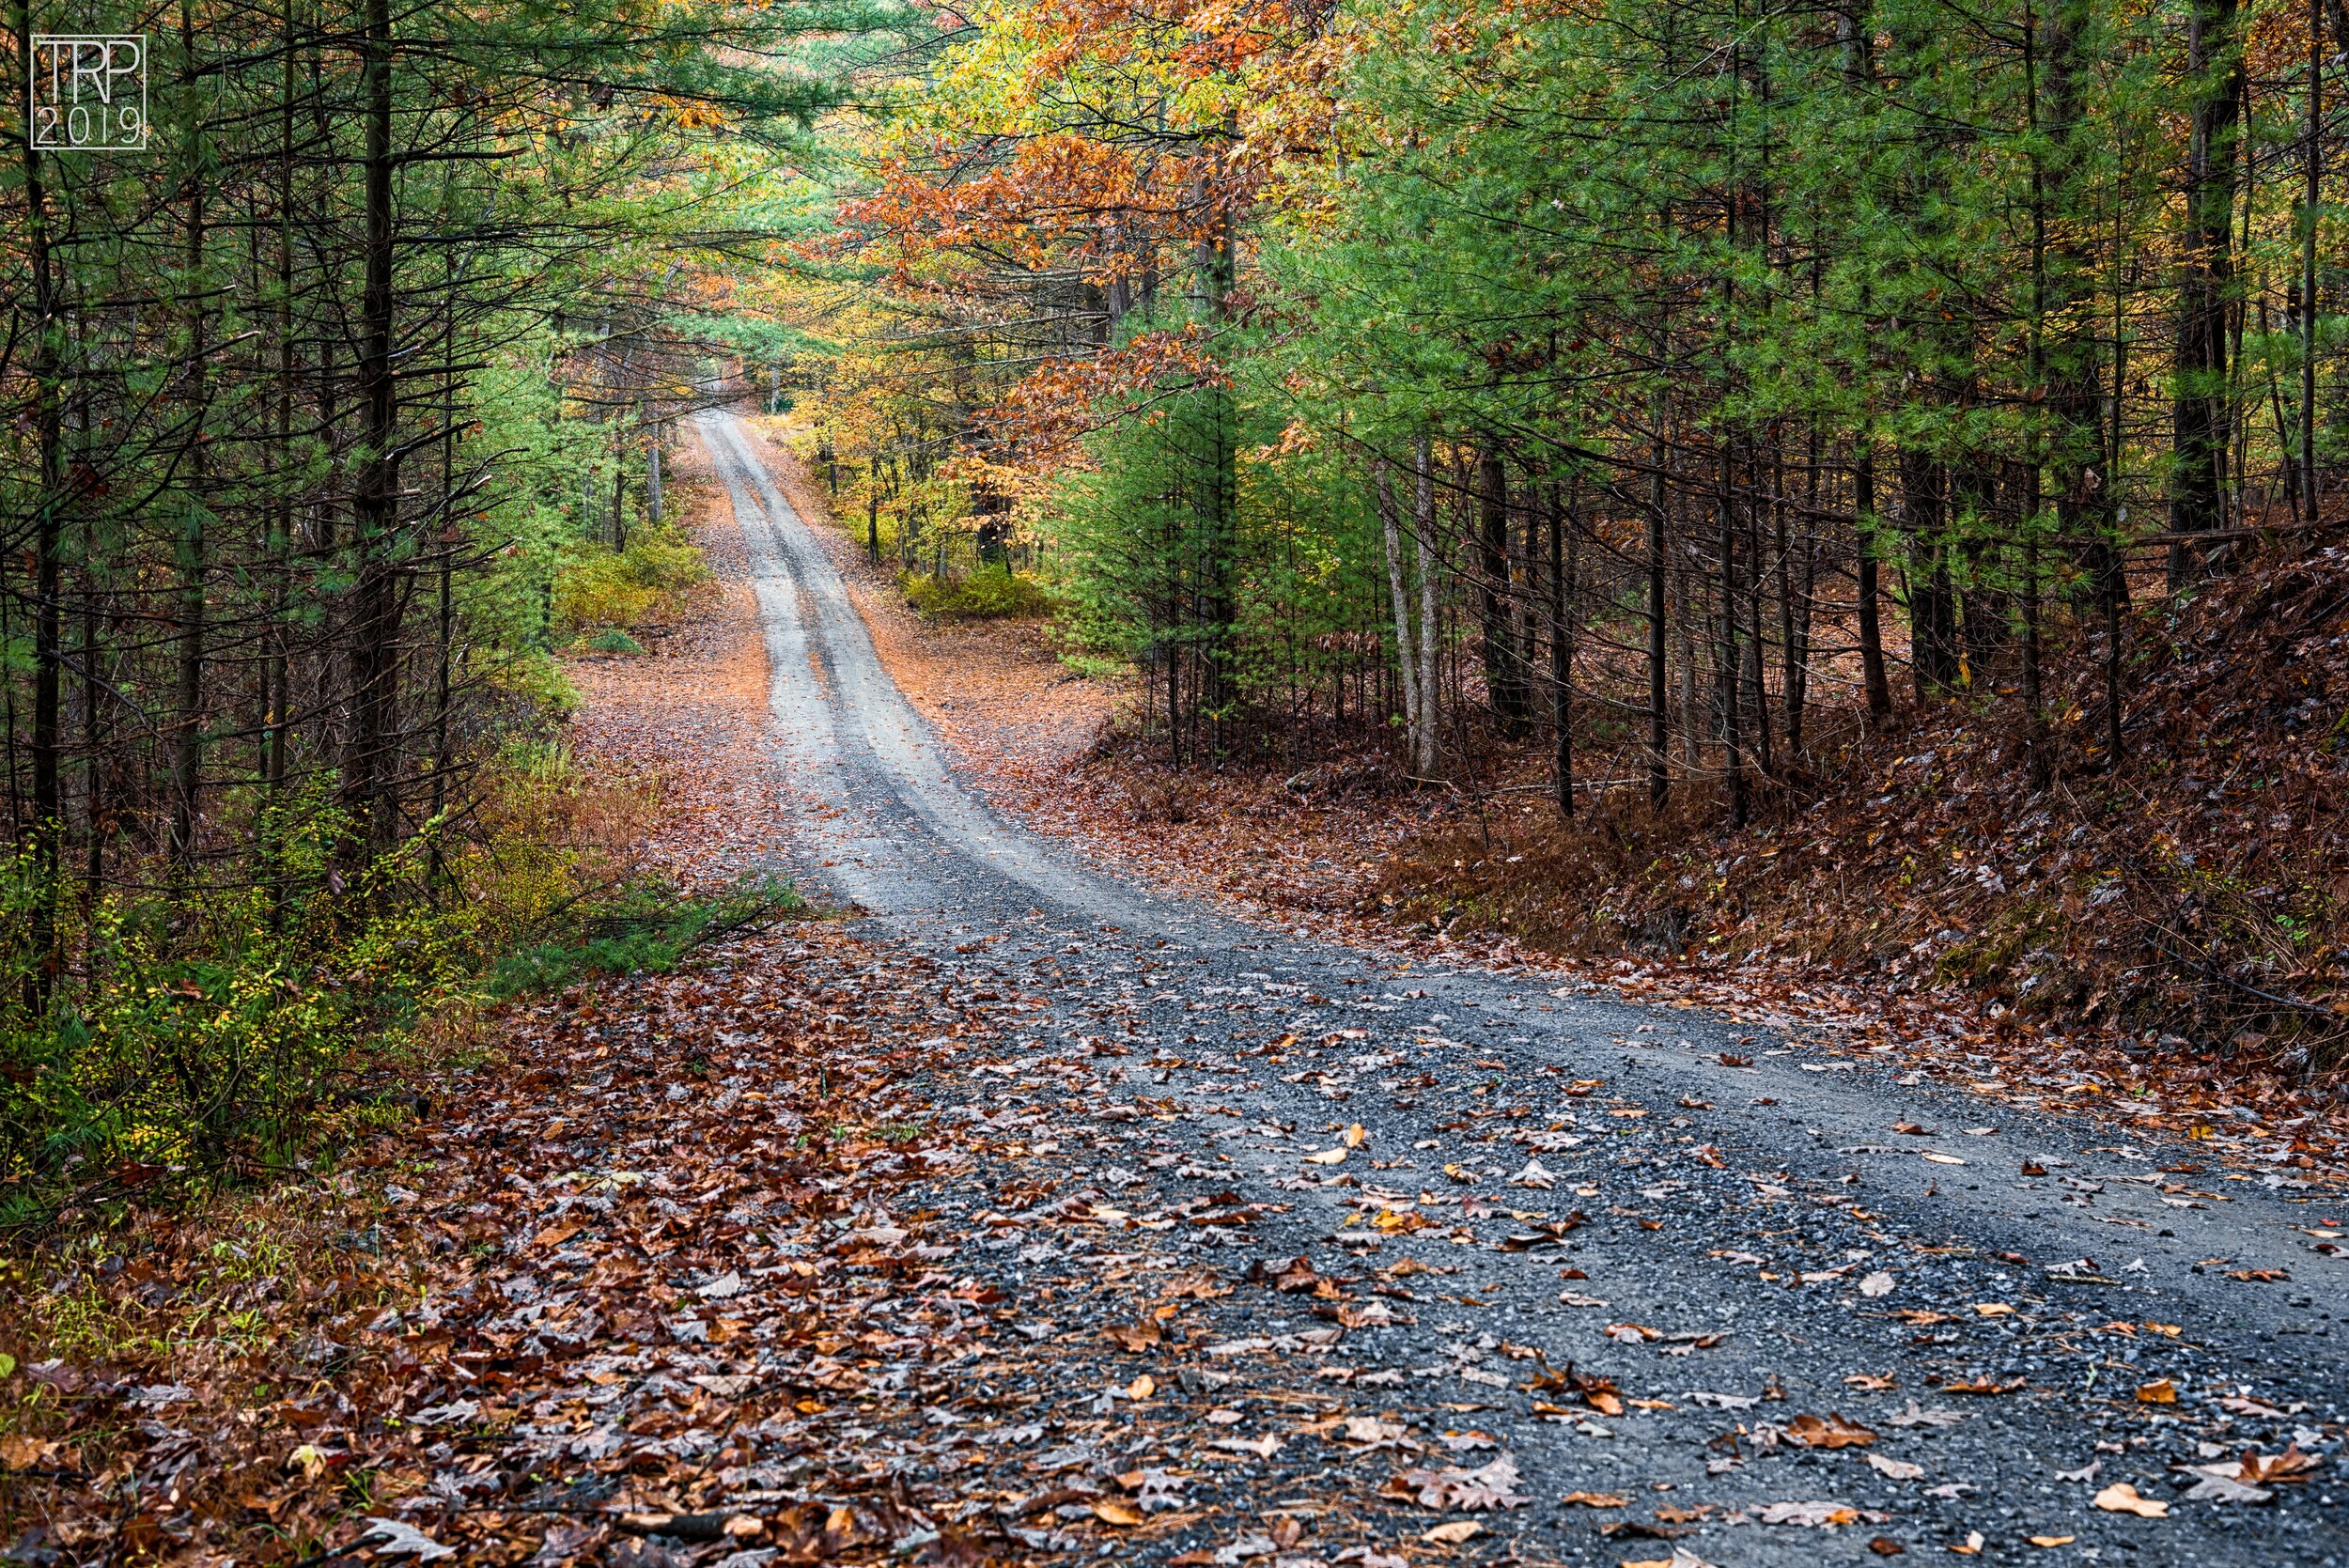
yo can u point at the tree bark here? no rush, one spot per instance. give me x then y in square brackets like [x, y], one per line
[2200, 410]
[187, 770]
[1659, 762]
[1872, 673]
[1732, 662]
[1932, 602]
[1503, 682]
[47, 744]
[1560, 655]
[1407, 652]
[368, 783]
[1430, 563]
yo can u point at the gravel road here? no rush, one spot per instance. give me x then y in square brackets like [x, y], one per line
[1735, 1232]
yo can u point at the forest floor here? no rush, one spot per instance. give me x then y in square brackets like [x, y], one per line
[1022, 1212]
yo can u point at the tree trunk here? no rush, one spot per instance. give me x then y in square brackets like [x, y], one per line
[1658, 764]
[1932, 602]
[1430, 626]
[2199, 412]
[1872, 674]
[1504, 683]
[1732, 661]
[48, 563]
[188, 719]
[1406, 653]
[1560, 655]
[368, 783]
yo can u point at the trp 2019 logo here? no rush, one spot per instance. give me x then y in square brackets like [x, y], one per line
[87, 92]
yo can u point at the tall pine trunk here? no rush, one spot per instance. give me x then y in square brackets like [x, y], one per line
[369, 782]
[2199, 412]
[1505, 684]
[47, 744]
[1405, 650]
[1430, 627]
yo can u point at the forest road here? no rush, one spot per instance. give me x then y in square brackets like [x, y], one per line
[2022, 1317]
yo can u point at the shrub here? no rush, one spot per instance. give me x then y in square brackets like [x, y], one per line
[208, 1034]
[990, 593]
[649, 582]
[642, 927]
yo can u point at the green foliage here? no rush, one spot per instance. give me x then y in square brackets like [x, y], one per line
[642, 927]
[228, 1032]
[990, 593]
[649, 582]
[614, 640]
[227, 1029]
[1153, 565]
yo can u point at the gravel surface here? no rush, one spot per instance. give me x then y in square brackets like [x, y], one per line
[1636, 1251]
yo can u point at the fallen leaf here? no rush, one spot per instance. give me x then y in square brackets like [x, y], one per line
[1878, 1284]
[390, 1538]
[1594, 1500]
[2222, 1487]
[1114, 1512]
[1375, 1433]
[19, 1452]
[1913, 1416]
[1983, 1386]
[1938, 1158]
[1137, 1336]
[2122, 1498]
[1262, 1448]
[1493, 1485]
[725, 1385]
[1871, 1382]
[1142, 1387]
[2161, 1391]
[1973, 1547]
[2291, 1465]
[2259, 1276]
[1682, 1558]
[1829, 1432]
[2051, 1540]
[1454, 1533]
[1326, 1157]
[1897, 1469]
[1813, 1514]
[1884, 1546]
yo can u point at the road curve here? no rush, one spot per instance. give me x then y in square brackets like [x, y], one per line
[1750, 1202]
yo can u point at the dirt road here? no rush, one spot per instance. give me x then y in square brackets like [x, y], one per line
[1636, 1252]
